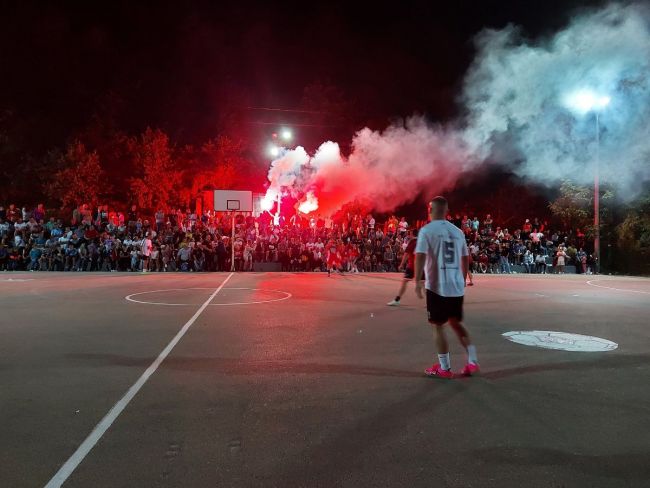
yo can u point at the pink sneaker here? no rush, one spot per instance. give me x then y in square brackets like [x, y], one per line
[470, 369]
[437, 372]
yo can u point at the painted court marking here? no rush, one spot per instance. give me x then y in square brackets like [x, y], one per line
[286, 295]
[563, 341]
[100, 429]
[593, 283]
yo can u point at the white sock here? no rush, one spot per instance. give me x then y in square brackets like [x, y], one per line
[471, 354]
[444, 361]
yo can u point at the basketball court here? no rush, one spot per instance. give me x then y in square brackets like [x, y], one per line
[288, 379]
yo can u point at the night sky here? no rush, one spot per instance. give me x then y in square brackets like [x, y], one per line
[195, 69]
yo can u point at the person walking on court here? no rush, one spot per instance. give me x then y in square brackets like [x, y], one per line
[408, 263]
[441, 251]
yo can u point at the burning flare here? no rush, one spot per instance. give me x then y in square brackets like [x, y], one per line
[309, 204]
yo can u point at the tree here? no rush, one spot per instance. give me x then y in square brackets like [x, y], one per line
[22, 169]
[573, 206]
[104, 135]
[157, 181]
[634, 231]
[80, 180]
[219, 163]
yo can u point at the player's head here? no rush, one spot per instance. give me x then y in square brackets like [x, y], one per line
[438, 208]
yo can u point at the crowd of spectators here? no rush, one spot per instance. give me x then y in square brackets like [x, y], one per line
[533, 247]
[103, 239]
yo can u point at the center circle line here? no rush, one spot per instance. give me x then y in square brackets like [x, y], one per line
[593, 283]
[130, 298]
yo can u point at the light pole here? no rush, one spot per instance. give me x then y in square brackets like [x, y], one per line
[583, 102]
[597, 197]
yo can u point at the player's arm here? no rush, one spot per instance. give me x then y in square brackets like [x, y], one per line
[464, 261]
[420, 259]
[421, 249]
[464, 265]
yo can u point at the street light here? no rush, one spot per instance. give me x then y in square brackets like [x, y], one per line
[277, 145]
[286, 134]
[583, 102]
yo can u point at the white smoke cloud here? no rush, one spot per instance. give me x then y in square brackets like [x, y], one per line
[385, 169]
[518, 112]
[518, 97]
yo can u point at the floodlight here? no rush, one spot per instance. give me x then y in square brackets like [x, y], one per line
[603, 101]
[583, 101]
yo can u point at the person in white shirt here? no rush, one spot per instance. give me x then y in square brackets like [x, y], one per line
[441, 251]
[20, 225]
[146, 246]
[403, 227]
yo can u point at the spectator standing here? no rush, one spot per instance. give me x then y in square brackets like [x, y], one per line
[475, 224]
[39, 213]
[222, 254]
[504, 264]
[403, 227]
[160, 220]
[154, 262]
[389, 257]
[528, 261]
[581, 258]
[487, 223]
[561, 260]
[146, 246]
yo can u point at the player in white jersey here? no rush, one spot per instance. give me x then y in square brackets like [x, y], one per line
[441, 251]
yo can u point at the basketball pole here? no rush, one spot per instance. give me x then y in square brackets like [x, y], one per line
[231, 201]
[232, 245]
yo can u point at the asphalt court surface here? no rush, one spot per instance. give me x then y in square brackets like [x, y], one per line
[303, 380]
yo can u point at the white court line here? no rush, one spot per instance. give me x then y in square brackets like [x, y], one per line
[130, 298]
[591, 283]
[100, 429]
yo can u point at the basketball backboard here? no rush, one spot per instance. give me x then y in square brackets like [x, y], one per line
[231, 200]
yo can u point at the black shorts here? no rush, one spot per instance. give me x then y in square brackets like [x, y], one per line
[441, 309]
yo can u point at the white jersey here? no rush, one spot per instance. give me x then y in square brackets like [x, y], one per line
[146, 247]
[444, 245]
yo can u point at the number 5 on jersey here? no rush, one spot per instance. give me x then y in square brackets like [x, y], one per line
[450, 252]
